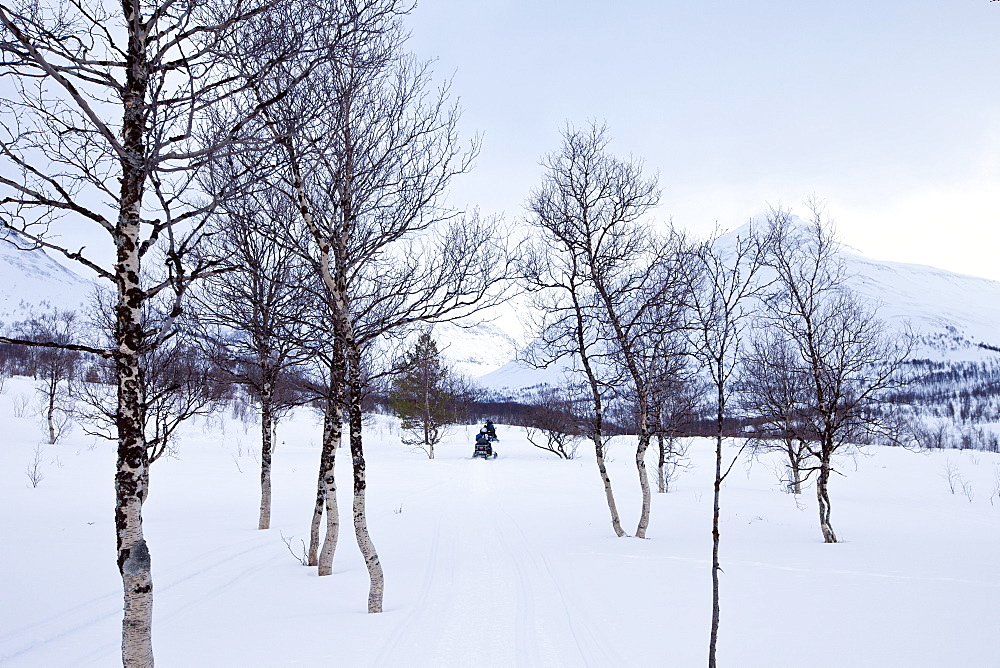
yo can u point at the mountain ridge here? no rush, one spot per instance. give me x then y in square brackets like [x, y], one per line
[956, 317]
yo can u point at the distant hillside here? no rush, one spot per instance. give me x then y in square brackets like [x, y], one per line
[955, 317]
[30, 280]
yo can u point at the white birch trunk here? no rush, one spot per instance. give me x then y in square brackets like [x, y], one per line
[50, 413]
[616, 522]
[131, 478]
[266, 449]
[365, 544]
[332, 437]
[640, 464]
[132, 472]
[823, 498]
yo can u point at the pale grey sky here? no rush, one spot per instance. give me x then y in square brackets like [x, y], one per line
[889, 110]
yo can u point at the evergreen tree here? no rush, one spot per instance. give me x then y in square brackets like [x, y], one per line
[423, 396]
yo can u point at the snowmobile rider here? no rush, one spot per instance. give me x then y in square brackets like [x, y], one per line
[484, 441]
[491, 430]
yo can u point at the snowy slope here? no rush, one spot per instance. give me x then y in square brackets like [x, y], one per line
[475, 349]
[510, 562]
[483, 343]
[31, 280]
[952, 314]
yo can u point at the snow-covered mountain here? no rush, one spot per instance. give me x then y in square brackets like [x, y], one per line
[955, 317]
[32, 281]
[481, 344]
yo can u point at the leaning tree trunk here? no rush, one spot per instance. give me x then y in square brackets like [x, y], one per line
[365, 543]
[327, 457]
[823, 497]
[616, 522]
[597, 434]
[326, 496]
[266, 449]
[640, 464]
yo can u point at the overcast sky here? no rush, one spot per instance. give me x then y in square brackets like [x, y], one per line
[888, 110]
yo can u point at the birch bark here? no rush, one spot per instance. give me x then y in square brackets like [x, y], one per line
[133, 460]
[661, 465]
[332, 436]
[266, 450]
[365, 544]
[597, 432]
[823, 498]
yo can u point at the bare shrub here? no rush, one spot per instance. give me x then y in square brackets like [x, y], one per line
[19, 404]
[956, 481]
[34, 470]
[673, 460]
[301, 558]
[966, 489]
[951, 476]
[552, 423]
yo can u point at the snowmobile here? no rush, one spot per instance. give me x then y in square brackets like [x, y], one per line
[484, 446]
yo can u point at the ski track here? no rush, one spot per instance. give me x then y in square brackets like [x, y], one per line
[465, 574]
[480, 559]
[407, 632]
[208, 575]
[81, 618]
[593, 651]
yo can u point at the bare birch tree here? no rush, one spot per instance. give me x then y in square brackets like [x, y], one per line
[569, 333]
[842, 358]
[108, 125]
[590, 208]
[726, 281]
[553, 421]
[254, 314]
[54, 368]
[367, 156]
[776, 398]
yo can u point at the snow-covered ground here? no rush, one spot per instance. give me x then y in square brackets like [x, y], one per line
[510, 562]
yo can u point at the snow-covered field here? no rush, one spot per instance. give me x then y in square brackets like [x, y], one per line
[509, 562]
